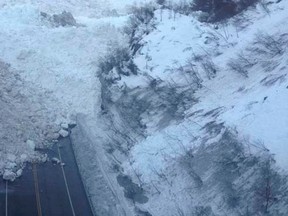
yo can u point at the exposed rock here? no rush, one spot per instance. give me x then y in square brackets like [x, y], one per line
[57, 20]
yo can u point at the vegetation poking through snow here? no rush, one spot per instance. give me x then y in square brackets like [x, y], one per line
[139, 24]
[247, 184]
[118, 62]
[211, 10]
[56, 20]
[205, 165]
[217, 10]
[263, 48]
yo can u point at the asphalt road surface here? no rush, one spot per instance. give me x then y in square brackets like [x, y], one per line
[47, 189]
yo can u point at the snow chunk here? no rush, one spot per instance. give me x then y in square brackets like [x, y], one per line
[9, 175]
[10, 165]
[55, 160]
[11, 157]
[31, 144]
[63, 133]
[65, 126]
[19, 172]
[23, 158]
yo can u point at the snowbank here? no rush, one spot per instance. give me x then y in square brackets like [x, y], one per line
[48, 75]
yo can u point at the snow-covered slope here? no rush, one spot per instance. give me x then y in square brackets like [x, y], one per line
[175, 116]
[239, 108]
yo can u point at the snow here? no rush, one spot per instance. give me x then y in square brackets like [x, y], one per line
[55, 160]
[262, 121]
[65, 126]
[52, 73]
[19, 172]
[52, 81]
[256, 107]
[89, 8]
[11, 157]
[63, 133]
[265, 121]
[31, 144]
[9, 175]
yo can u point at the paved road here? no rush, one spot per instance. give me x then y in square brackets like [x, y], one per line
[47, 189]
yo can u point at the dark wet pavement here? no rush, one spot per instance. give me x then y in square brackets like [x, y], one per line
[53, 199]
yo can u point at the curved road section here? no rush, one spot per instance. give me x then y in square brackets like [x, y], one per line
[47, 189]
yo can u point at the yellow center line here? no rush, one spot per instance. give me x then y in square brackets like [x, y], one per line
[36, 185]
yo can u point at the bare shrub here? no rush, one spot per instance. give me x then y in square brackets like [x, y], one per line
[265, 47]
[209, 67]
[190, 72]
[143, 14]
[116, 63]
[267, 187]
[241, 64]
[236, 66]
[205, 62]
[139, 24]
[220, 9]
[264, 4]
[268, 45]
[272, 79]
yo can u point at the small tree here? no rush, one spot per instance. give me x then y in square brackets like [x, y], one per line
[267, 188]
[268, 44]
[140, 23]
[209, 67]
